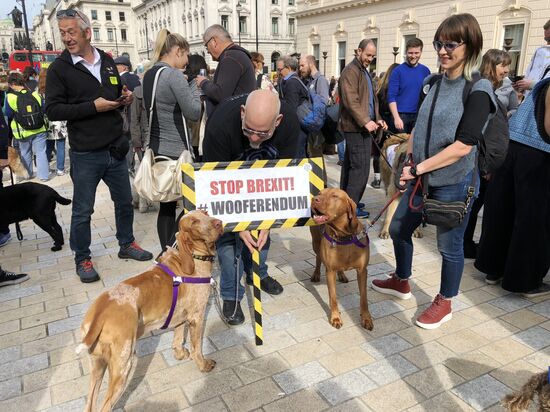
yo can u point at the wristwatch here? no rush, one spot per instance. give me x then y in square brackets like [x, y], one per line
[412, 171]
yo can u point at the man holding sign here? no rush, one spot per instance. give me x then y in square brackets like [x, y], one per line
[250, 127]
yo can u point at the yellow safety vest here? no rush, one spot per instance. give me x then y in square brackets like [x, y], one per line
[18, 131]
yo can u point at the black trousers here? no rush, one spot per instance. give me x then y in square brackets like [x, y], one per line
[476, 207]
[515, 242]
[356, 167]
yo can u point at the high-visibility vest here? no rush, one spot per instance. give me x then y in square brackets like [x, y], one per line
[18, 131]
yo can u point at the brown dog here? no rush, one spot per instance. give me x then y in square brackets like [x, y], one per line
[521, 400]
[398, 144]
[15, 163]
[349, 249]
[141, 304]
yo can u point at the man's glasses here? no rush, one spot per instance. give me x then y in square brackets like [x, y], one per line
[448, 45]
[262, 135]
[208, 41]
[71, 13]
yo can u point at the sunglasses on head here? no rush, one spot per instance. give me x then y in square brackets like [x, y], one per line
[72, 13]
[448, 45]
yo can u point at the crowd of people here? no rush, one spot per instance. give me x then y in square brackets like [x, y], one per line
[110, 116]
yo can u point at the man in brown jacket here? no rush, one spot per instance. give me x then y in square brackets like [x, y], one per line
[359, 118]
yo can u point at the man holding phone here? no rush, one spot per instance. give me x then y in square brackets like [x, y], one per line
[538, 69]
[84, 88]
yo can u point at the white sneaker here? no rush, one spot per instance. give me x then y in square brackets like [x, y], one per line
[60, 173]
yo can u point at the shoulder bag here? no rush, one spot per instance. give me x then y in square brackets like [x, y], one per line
[158, 178]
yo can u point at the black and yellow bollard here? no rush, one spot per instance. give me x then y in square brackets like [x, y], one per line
[257, 292]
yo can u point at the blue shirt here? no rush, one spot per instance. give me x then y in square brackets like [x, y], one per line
[372, 114]
[405, 85]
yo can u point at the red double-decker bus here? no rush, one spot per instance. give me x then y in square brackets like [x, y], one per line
[19, 59]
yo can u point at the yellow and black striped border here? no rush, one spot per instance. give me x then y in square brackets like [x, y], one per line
[316, 184]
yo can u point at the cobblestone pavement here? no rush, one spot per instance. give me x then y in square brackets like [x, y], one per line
[494, 342]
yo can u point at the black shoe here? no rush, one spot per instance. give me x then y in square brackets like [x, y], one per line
[10, 278]
[232, 316]
[470, 250]
[268, 285]
[375, 184]
[493, 280]
[135, 252]
[340, 162]
[86, 272]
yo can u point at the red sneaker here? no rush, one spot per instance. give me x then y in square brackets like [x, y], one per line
[393, 286]
[436, 314]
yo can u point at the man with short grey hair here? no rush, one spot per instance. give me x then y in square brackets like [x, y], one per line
[235, 74]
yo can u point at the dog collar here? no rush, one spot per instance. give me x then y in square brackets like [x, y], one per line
[205, 258]
[348, 240]
[178, 280]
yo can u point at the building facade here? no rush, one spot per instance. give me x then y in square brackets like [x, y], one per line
[6, 35]
[334, 28]
[275, 26]
[112, 24]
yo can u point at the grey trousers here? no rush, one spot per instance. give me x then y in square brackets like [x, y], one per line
[356, 167]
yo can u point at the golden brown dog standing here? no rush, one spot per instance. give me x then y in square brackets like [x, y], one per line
[15, 163]
[336, 213]
[388, 176]
[141, 304]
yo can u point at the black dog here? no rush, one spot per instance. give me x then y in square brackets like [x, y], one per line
[33, 201]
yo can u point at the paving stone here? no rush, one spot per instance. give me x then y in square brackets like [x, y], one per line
[301, 377]
[517, 373]
[353, 405]
[471, 365]
[506, 350]
[481, 392]
[463, 341]
[64, 325]
[346, 360]
[535, 337]
[48, 344]
[494, 329]
[34, 401]
[150, 344]
[388, 370]
[43, 318]
[305, 351]
[69, 391]
[345, 387]
[23, 366]
[428, 354]
[260, 368]
[10, 388]
[277, 340]
[76, 405]
[10, 354]
[252, 396]
[168, 354]
[212, 405]
[396, 396]
[445, 401]
[386, 346]
[385, 308]
[429, 382]
[214, 384]
[523, 318]
[12, 293]
[51, 376]
[510, 303]
[233, 336]
[310, 330]
[171, 400]
[542, 308]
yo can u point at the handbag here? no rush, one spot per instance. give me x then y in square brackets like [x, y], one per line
[447, 215]
[158, 178]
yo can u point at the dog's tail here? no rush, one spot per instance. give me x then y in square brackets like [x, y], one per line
[62, 200]
[521, 400]
[91, 336]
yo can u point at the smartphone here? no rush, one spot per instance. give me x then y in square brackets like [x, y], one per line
[120, 98]
[202, 72]
[517, 78]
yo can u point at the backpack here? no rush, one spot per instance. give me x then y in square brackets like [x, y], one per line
[311, 112]
[540, 109]
[493, 147]
[29, 114]
[330, 129]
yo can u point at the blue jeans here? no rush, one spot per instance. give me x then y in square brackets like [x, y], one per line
[341, 150]
[234, 257]
[87, 169]
[301, 152]
[449, 241]
[35, 145]
[59, 145]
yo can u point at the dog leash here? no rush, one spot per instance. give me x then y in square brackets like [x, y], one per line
[17, 226]
[371, 223]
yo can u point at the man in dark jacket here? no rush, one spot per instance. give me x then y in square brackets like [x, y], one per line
[130, 80]
[84, 88]
[235, 73]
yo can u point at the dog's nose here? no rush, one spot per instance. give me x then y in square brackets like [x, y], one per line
[316, 199]
[217, 223]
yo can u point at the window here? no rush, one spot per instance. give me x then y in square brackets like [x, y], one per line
[291, 2]
[274, 2]
[94, 14]
[513, 39]
[373, 63]
[96, 34]
[406, 38]
[123, 35]
[121, 16]
[108, 15]
[110, 36]
[242, 24]
[341, 56]
[275, 25]
[225, 21]
[316, 53]
[121, 1]
[291, 27]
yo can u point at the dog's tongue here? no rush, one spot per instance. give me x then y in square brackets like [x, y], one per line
[320, 219]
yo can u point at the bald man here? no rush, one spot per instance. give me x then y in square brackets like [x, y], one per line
[249, 127]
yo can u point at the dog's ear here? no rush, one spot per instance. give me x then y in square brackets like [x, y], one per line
[185, 247]
[352, 216]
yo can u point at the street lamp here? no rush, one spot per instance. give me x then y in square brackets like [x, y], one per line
[116, 43]
[146, 35]
[325, 54]
[395, 52]
[28, 42]
[257, 48]
[239, 8]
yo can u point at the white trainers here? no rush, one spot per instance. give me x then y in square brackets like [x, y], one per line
[60, 173]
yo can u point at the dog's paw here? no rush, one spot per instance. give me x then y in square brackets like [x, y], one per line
[342, 277]
[336, 322]
[384, 234]
[207, 365]
[366, 322]
[181, 353]
[316, 277]
[418, 234]
[56, 248]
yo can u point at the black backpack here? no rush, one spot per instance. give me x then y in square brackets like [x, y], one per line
[29, 114]
[493, 147]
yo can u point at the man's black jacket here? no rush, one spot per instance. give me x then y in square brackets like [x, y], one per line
[293, 91]
[70, 94]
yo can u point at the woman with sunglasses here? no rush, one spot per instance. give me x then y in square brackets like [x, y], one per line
[174, 101]
[443, 149]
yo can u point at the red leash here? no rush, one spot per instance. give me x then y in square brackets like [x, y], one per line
[373, 222]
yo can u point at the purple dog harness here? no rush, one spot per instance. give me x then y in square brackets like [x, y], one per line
[347, 240]
[178, 280]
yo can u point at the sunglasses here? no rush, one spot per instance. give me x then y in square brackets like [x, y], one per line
[71, 13]
[448, 45]
[262, 135]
